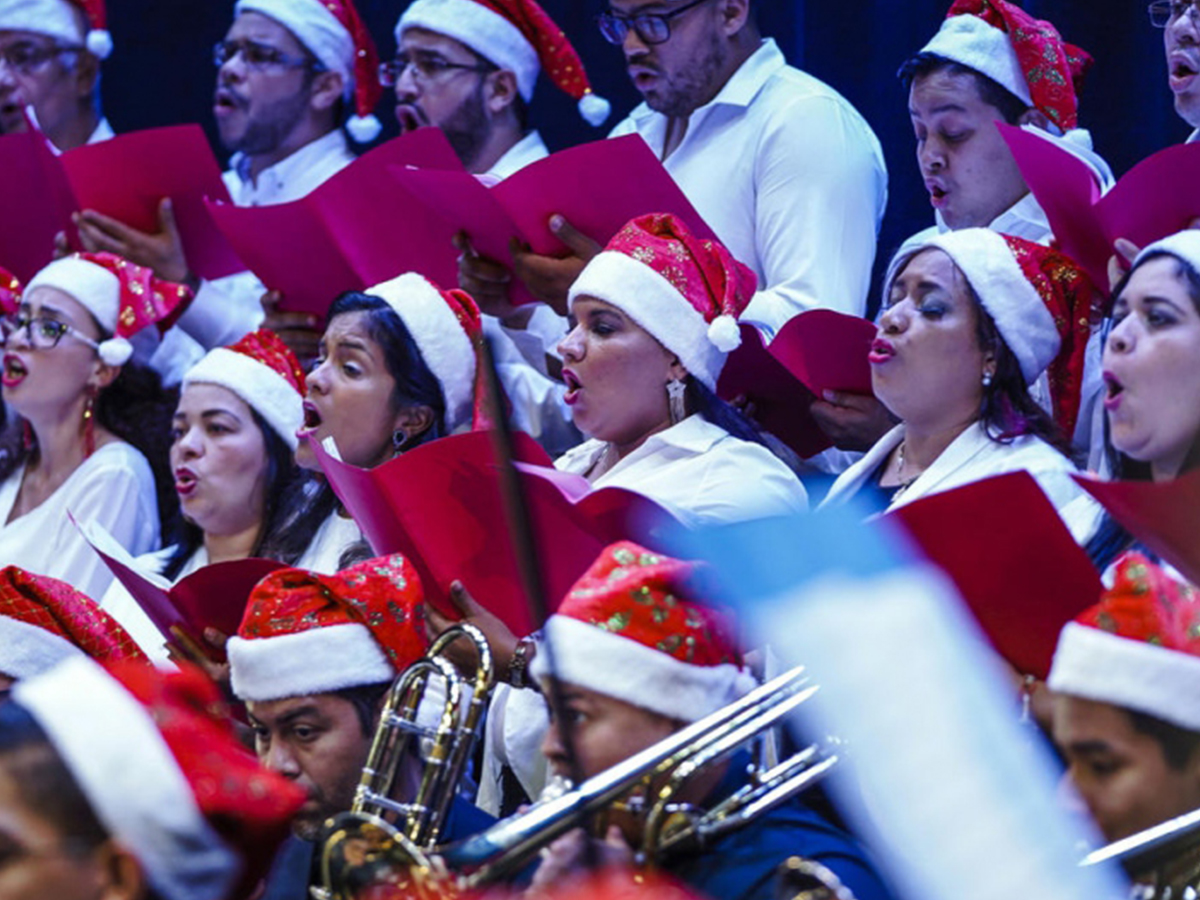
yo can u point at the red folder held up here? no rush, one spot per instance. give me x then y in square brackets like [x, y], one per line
[1165, 516]
[212, 597]
[357, 229]
[1157, 197]
[815, 351]
[597, 187]
[1013, 560]
[441, 504]
[125, 178]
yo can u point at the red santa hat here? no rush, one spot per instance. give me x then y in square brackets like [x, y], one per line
[1138, 648]
[305, 633]
[1023, 54]
[516, 35]
[448, 329]
[124, 298]
[263, 372]
[334, 33]
[10, 293]
[687, 292]
[156, 756]
[636, 627]
[44, 621]
[1042, 302]
[73, 23]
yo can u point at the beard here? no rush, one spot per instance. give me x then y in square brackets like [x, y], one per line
[468, 128]
[684, 91]
[267, 131]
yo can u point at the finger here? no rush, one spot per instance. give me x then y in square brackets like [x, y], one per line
[191, 651]
[436, 621]
[837, 398]
[109, 226]
[462, 243]
[166, 219]
[518, 248]
[1127, 249]
[270, 300]
[215, 637]
[462, 599]
[1116, 271]
[581, 245]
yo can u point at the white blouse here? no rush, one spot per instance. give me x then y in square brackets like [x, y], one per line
[336, 534]
[114, 488]
[119, 603]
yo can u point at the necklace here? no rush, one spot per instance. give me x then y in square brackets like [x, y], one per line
[904, 483]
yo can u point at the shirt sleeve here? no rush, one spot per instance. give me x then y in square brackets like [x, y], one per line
[120, 498]
[820, 190]
[224, 310]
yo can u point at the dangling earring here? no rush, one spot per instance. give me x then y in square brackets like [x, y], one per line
[399, 439]
[28, 441]
[676, 388]
[89, 424]
[987, 379]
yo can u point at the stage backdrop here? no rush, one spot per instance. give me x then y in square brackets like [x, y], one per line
[161, 72]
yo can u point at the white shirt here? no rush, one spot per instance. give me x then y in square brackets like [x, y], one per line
[971, 457]
[335, 536]
[528, 149]
[227, 309]
[699, 472]
[114, 488]
[119, 603]
[790, 177]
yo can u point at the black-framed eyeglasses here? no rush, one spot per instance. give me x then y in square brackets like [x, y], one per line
[426, 67]
[651, 28]
[1164, 12]
[258, 56]
[26, 57]
[41, 333]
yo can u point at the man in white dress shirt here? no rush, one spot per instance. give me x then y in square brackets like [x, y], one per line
[50, 53]
[289, 72]
[1180, 22]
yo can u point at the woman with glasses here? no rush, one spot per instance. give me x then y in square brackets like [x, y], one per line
[91, 414]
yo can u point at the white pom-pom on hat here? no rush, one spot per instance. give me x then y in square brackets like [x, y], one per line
[724, 332]
[594, 109]
[115, 351]
[99, 43]
[364, 129]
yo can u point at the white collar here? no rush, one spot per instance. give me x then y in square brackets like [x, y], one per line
[290, 166]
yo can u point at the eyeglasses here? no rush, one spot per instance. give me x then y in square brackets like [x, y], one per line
[25, 57]
[1165, 12]
[651, 28]
[258, 56]
[426, 67]
[41, 333]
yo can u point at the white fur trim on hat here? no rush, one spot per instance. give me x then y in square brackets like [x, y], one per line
[98, 289]
[440, 337]
[485, 32]
[260, 386]
[1018, 310]
[27, 650]
[316, 28]
[1098, 665]
[59, 19]
[615, 666]
[1185, 245]
[655, 304]
[123, 765]
[316, 661]
[972, 42]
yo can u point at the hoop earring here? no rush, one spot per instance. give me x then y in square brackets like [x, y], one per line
[89, 424]
[399, 439]
[676, 388]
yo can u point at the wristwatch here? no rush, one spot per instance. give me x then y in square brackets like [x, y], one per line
[518, 666]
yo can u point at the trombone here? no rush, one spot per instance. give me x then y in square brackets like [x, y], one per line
[359, 853]
[1148, 852]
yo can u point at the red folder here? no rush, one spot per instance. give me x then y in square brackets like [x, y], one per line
[125, 178]
[1165, 516]
[441, 505]
[1157, 197]
[1013, 560]
[357, 229]
[212, 597]
[597, 187]
[816, 351]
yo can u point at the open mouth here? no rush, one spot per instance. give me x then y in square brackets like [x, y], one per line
[312, 417]
[409, 117]
[881, 351]
[1113, 391]
[1182, 72]
[14, 370]
[185, 481]
[574, 386]
[224, 101]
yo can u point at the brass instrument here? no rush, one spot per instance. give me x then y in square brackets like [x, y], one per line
[1147, 855]
[806, 879]
[359, 853]
[417, 822]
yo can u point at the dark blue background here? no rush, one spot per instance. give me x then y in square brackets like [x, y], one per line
[161, 72]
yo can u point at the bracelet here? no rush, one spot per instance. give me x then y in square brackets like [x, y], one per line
[518, 666]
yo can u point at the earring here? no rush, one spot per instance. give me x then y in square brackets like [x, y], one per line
[399, 439]
[676, 388]
[28, 441]
[89, 424]
[987, 379]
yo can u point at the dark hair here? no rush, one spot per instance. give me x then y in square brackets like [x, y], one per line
[992, 93]
[1007, 410]
[283, 475]
[1178, 744]
[43, 780]
[365, 698]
